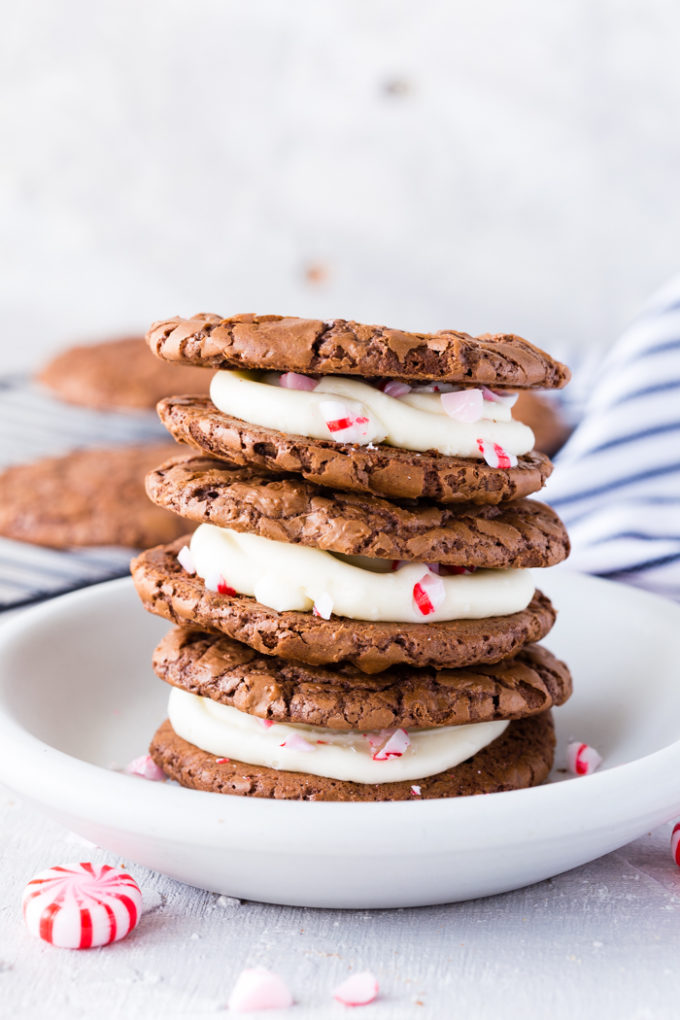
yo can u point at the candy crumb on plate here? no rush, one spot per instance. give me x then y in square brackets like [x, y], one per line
[259, 988]
[357, 990]
[675, 843]
[145, 767]
[80, 906]
[582, 759]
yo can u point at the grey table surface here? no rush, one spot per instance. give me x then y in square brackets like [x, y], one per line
[602, 940]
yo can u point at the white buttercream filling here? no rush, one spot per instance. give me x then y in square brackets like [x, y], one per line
[287, 576]
[228, 733]
[416, 421]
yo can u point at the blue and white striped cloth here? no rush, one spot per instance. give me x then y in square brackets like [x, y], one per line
[34, 425]
[616, 482]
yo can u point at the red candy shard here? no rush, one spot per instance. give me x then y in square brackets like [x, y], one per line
[146, 768]
[582, 759]
[495, 456]
[675, 843]
[224, 588]
[357, 990]
[396, 745]
[428, 594]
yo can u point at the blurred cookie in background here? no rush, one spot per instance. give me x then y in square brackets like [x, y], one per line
[119, 374]
[545, 420]
[88, 497]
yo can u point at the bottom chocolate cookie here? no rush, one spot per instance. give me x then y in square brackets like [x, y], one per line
[522, 756]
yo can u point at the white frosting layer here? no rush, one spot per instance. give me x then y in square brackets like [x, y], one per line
[227, 733]
[416, 421]
[287, 576]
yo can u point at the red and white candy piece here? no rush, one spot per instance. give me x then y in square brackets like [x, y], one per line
[295, 381]
[428, 594]
[217, 582]
[145, 767]
[498, 397]
[259, 988]
[398, 742]
[345, 420]
[323, 606]
[582, 759]
[186, 560]
[495, 455]
[415, 791]
[297, 743]
[464, 406]
[79, 906]
[675, 843]
[357, 990]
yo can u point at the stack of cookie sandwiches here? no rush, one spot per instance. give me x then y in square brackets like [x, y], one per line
[357, 617]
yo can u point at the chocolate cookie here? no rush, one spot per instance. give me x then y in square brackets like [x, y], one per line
[118, 374]
[522, 756]
[343, 698]
[89, 497]
[382, 470]
[167, 590]
[287, 509]
[340, 347]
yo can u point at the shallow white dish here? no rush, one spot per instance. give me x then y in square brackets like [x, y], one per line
[77, 695]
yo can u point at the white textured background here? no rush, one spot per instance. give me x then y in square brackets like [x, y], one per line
[436, 163]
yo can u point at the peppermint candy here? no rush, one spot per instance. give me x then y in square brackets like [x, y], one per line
[415, 791]
[494, 455]
[436, 387]
[499, 397]
[216, 582]
[323, 606]
[259, 988]
[675, 843]
[186, 560]
[79, 906]
[396, 389]
[297, 743]
[398, 742]
[145, 767]
[582, 759]
[428, 594]
[357, 990]
[464, 406]
[295, 381]
[345, 420]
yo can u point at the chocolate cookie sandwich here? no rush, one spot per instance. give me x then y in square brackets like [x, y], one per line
[244, 723]
[362, 408]
[358, 591]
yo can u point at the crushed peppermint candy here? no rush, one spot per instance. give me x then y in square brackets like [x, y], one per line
[267, 723]
[396, 389]
[297, 743]
[415, 791]
[494, 455]
[145, 767]
[186, 560]
[323, 606]
[428, 594]
[295, 381]
[221, 761]
[436, 387]
[345, 420]
[499, 397]
[216, 582]
[582, 759]
[357, 990]
[398, 742]
[464, 406]
[258, 988]
[675, 843]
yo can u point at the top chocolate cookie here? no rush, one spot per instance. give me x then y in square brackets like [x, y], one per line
[342, 347]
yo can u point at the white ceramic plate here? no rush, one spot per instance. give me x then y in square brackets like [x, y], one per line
[77, 695]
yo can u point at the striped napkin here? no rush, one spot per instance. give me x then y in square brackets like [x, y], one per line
[34, 425]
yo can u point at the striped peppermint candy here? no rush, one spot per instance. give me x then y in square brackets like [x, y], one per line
[428, 594]
[79, 906]
[675, 843]
[582, 759]
[345, 420]
[495, 455]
